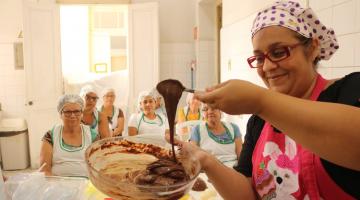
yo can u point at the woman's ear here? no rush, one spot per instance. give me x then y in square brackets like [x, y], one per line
[314, 49]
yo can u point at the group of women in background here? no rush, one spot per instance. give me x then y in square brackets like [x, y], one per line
[63, 146]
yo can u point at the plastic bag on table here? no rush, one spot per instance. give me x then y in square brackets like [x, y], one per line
[24, 186]
[59, 192]
[35, 186]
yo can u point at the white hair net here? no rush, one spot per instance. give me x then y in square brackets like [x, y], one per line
[86, 90]
[107, 90]
[69, 98]
[142, 96]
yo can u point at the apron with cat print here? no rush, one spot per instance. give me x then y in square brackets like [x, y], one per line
[283, 169]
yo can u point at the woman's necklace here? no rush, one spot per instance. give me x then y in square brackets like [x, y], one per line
[218, 139]
[152, 122]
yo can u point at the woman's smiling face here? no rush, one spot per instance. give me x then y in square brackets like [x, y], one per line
[148, 105]
[293, 75]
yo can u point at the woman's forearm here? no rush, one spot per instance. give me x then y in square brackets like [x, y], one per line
[132, 131]
[229, 183]
[117, 131]
[329, 130]
[120, 127]
[104, 126]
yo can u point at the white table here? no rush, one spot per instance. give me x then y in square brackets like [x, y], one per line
[88, 192]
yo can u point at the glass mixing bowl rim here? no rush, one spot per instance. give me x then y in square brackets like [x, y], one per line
[112, 181]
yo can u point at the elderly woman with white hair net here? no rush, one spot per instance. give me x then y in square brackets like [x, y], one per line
[113, 113]
[147, 121]
[63, 146]
[91, 116]
[220, 138]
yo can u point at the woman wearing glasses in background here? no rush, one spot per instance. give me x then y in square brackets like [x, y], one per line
[221, 139]
[91, 116]
[63, 147]
[114, 114]
[147, 121]
[303, 140]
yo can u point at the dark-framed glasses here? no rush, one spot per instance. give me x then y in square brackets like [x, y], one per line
[275, 55]
[69, 113]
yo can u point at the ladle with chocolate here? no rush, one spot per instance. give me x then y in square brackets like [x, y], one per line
[171, 90]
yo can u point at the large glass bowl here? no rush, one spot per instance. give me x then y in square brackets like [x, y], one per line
[104, 163]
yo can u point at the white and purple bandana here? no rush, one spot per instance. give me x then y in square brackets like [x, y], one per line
[291, 15]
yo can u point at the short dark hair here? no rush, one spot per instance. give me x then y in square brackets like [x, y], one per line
[307, 41]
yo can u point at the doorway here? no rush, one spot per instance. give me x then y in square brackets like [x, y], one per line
[44, 76]
[94, 48]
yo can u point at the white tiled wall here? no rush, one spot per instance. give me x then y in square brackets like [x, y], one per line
[205, 69]
[12, 82]
[342, 15]
[12, 91]
[175, 61]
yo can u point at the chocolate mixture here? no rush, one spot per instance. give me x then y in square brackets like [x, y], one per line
[171, 90]
[199, 185]
[161, 172]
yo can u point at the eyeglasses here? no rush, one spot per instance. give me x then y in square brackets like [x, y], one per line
[68, 113]
[274, 55]
[88, 98]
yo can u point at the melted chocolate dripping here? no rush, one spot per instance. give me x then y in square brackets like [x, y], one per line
[171, 90]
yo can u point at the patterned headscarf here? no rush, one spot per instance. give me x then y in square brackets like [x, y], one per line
[291, 15]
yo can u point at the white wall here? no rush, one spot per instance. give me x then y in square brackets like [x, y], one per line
[206, 72]
[342, 15]
[177, 47]
[12, 91]
[177, 18]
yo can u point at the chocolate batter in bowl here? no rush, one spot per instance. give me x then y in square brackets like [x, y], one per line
[139, 168]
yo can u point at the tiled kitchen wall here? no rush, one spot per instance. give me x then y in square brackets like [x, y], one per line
[175, 61]
[342, 15]
[206, 71]
[12, 82]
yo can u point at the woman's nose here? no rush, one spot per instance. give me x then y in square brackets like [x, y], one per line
[269, 65]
